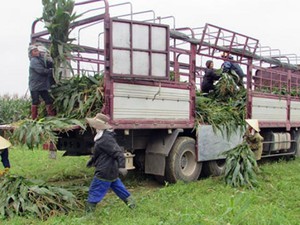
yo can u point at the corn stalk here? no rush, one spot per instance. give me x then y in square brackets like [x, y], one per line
[32, 133]
[20, 196]
[13, 108]
[241, 167]
[79, 96]
[224, 110]
[57, 16]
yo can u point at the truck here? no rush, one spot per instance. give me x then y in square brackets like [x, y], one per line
[152, 72]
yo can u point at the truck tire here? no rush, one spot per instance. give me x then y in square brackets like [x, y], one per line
[216, 167]
[181, 164]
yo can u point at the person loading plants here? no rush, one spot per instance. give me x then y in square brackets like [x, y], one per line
[229, 65]
[109, 161]
[209, 77]
[253, 138]
[4, 145]
[40, 73]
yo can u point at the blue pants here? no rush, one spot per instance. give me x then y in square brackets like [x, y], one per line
[99, 188]
[4, 158]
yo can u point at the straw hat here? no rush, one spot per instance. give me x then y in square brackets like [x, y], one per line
[4, 143]
[99, 122]
[253, 123]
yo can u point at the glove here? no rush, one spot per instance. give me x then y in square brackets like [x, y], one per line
[123, 171]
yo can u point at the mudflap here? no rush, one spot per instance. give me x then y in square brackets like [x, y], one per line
[158, 149]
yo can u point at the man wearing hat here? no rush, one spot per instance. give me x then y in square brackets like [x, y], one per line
[4, 145]
[253, 138]
[109, 160]
[40, 73]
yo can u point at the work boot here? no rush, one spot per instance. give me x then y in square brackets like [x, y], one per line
[130, 202]
[34, 111]
[90, 207]
[50, 110]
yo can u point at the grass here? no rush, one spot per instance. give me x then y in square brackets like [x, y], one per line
[207, 201]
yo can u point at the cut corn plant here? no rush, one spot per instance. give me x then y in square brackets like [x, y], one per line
[241, 167]
[79, 96]
[58, 16]
[35, 132]
[226, 86]
[20, 196]
[226, 116]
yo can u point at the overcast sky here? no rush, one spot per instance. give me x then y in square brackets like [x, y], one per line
[274, 23]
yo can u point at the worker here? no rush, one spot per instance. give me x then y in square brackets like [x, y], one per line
[209, 77]
[228, 65]
[4, 145]
[109, 161]
[253, 138]
[39, 81]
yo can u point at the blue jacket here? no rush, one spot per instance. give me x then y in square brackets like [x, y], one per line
[233, 66]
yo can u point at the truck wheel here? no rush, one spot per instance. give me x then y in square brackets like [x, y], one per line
[216, 167]
[181, 164]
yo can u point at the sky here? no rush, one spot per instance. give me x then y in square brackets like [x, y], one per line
[274, 23]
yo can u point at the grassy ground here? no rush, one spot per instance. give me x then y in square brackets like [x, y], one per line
[207, 201]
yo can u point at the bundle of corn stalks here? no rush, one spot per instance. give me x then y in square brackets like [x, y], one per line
[225, 117]
[226, 86]
[241, 167]
[35, 132]
[79, 96]
[22, 197]
[58, 16]
[224, 114]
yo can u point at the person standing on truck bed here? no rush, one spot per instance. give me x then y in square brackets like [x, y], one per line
[228, 66]
[109, 160]
[4, 145]
[40, 72]
[209, 77]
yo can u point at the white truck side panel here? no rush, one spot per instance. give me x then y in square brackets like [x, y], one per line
[295, 111]
[133, 101]
[269, 109]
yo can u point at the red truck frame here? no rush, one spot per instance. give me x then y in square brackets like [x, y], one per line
[153, 112]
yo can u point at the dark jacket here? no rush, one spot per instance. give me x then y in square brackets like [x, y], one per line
[227, 66]
[39, 74]
[208, 80]
[108, 157]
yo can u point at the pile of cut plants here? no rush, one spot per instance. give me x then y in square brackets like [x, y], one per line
[20, 196]
[224, 109]
[78, 97]
[241, 167]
